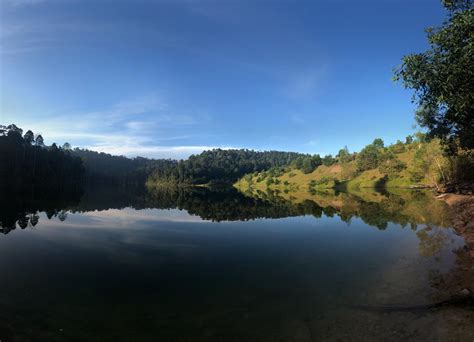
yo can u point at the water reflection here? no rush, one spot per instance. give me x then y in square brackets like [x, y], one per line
[22, 210]
[125, 264]
[406, 208]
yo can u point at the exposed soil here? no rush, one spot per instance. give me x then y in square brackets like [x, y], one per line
[462, 207]
[461, 280]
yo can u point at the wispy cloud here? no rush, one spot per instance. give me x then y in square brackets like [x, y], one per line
[22, 2]
[313, 142]
[306, 82]
[145, 125]
[297, 119]
[132, 149]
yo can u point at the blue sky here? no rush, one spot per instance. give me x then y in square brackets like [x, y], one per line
[171, 78]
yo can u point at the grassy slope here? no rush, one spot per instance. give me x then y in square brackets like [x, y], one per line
[299, 183]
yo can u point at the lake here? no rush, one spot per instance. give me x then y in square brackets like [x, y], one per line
[121, 264]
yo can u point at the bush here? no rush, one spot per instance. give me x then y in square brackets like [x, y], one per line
[398, 147]
[368, 158]
[416, 175]
[391, 166]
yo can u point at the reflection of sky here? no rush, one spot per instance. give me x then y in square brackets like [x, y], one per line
[121, 234]
[130, 218]
[134, 251]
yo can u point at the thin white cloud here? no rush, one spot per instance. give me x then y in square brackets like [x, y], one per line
[139, 126]
[312, 142]
[298, 119]
[173, 152]
[22, 2]
[306, 82]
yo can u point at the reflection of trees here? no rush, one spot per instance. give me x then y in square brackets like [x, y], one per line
[223, 205]
[431, 241]
[23, 210]
[215, 205]
[405, 208]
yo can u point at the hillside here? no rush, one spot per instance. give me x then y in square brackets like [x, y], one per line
[402, 165]
[219, 166]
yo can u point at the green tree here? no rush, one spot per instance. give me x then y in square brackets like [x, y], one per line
[368, 158]
[328, 160]
[390, 165]
[39, 141]
[344, 156]
[398, 147]
[29, 137]
[443, 77]
[378, 143]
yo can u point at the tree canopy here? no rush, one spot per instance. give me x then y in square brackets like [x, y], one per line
[443, 77]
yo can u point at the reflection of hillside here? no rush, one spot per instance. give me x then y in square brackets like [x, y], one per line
[226, 205]
[374, 208]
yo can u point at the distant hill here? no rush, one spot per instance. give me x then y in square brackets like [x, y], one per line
[415, 163]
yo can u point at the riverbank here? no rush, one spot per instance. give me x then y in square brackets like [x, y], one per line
[461, 279]
[462, 207]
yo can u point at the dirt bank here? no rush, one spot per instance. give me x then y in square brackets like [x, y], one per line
[461, 279]
[462, 207]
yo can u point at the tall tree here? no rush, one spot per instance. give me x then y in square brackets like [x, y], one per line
[29, 137]
[39, 140]
[443, 77]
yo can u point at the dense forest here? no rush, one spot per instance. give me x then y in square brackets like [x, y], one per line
[105, 168]
[27, 164]
[27, 161]
[220, 166]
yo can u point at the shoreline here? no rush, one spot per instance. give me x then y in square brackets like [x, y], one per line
[462, 207]
[461, 280]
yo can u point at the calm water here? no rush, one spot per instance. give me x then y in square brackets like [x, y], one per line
[126, 265]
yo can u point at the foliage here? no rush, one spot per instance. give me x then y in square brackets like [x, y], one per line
[461, 167]
[368, 158]
[328, 160]
[103, 167]
[390, 165]
[429, 160]
[223, 165]
[443, 77]
[26, 163]
[398, 147]
[378, 143]
[311, 163]
[344, 156]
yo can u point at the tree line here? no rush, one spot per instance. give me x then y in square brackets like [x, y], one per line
[27, 164]
[105, 168]
[221, 166]
[26, 161]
